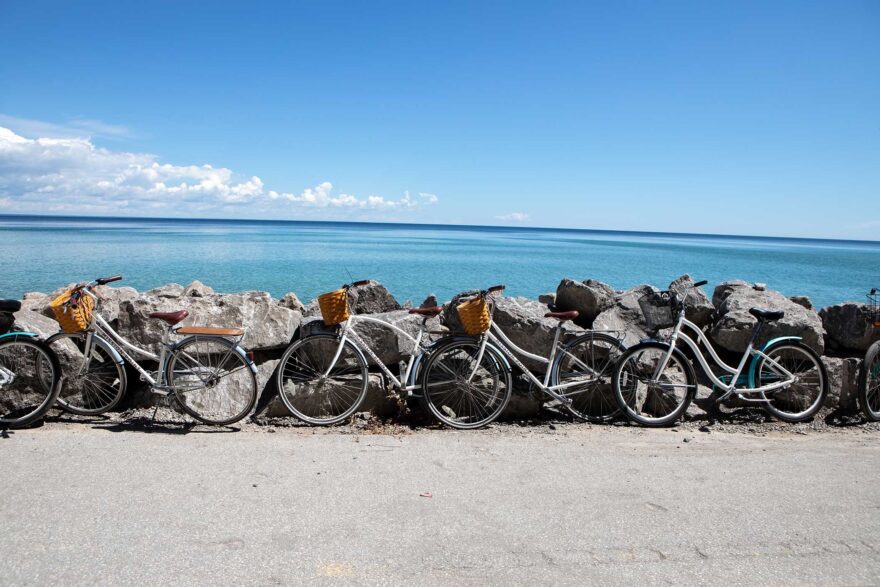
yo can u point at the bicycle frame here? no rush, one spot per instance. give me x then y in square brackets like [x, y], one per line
[347, 332]
[735, 372]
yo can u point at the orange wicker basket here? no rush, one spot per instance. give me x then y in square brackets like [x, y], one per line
[73, 310]
[474, 316]
[334, 307]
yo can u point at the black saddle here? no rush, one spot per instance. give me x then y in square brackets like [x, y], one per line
[10, 305]
[766, 315]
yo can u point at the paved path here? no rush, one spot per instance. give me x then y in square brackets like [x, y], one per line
[509, 506]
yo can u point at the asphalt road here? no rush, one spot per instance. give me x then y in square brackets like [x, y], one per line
[507, 506]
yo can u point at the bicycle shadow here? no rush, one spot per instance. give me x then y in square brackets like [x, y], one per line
[147, 425]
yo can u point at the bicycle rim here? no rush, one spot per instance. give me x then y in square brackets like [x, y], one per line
[92, 384]
[29, 382]
[585, 367]
[803, 398]
[649, 396]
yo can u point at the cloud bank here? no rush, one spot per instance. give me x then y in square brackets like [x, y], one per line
[72, 175]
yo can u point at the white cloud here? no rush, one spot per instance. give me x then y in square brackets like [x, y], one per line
[513, 217]
[76, 128]
[73, 175]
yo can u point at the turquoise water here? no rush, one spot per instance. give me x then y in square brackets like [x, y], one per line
[44, 253]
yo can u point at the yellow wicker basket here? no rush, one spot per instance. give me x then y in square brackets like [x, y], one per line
[474, 316]
[334, 307]
[73, 310]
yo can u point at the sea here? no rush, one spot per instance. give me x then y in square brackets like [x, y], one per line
[43, 253]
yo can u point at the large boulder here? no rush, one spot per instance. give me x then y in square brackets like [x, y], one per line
[697, 307]
[267, 325]
[734, 325]
[849, 326]
[625, 317]
[291, 302]
[843, 383]
[30, 321]
[523, 321]
[373, 298]
[590, 298]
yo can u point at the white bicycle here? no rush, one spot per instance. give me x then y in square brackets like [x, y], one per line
[212, 378]
[654, 382]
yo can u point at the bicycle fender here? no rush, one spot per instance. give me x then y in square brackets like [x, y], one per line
[236, 349]
[19, 333]
[767, 345]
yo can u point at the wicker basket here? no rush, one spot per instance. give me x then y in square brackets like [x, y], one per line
[474, 316]
[73, 310]
[334, 307]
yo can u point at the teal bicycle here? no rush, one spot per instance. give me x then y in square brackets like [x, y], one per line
[30, 375]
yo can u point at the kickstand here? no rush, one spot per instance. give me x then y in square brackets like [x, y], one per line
[155, 410]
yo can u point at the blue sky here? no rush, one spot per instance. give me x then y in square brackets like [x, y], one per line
[723, 117]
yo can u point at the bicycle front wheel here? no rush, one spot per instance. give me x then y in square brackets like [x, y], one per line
[582, 373]
[321, 382]
[212, 380]
[463, 390]
[804, 397]
[651, 388]
[94, 382]
[29, 381]
[869, 384]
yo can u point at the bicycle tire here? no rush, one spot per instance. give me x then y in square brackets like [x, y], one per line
[656, 394]
[869, 384]
[100, 387]
[438, 388]
[787, 395]
[42, 388]
[596, 402]
[310, 395]
[204, 375]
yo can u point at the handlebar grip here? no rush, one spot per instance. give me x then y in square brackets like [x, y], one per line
[361, 282]
[106, 280]
[495, 288]
[701, 283]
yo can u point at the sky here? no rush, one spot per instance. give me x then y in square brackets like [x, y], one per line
[741, 117]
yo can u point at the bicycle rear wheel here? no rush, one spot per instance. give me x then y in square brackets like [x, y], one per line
[802, 399]
[93, 384]
[584, 368]
[318, 390]
[212, 380]
[30, 379]
[869, 384]
[459, 391]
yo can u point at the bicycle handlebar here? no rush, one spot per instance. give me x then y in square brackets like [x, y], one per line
[495, 288]
[106, 280]
[701, 283]
[360, 283]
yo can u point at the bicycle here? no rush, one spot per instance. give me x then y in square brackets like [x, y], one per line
[30, 376]
[208, 374]
[869, 374]
[655, 382]
[323, 378]
[577, 374]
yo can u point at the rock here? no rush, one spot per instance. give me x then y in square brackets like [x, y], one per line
[547, 298]
[389, 345]
[111, 300]
[843, 383]
[590, 298]
[171, 290]
[312, 310]
[760, 287]
[734, 325]
[522, 320]
[429, 302]
[30, 321]
[626, 315]
[36, 301]
[197, 289]
[698, 309]
[525, 400]
[804, 301]
[267, 325]
[373, 298]
[849, 326]
[291, 302]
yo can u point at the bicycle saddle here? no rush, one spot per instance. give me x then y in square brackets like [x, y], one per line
[764, 314]
[10, 305]
[433, 311]
[570, 315]
[170, 317]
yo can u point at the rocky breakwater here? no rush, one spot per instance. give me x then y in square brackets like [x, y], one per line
[272, 324]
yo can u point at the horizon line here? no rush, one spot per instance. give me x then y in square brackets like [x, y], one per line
[425, 224]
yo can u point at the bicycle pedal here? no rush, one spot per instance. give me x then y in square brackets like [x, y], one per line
[161, 392]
